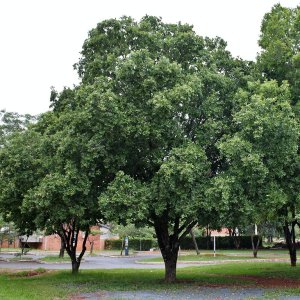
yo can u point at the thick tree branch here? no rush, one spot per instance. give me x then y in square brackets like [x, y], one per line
[187, 230]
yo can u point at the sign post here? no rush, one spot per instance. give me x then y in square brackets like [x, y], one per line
[126, 246]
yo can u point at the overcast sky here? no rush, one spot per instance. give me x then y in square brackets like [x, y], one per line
[41, 39]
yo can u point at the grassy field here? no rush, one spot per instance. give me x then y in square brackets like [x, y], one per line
[61, 284]
[54, 259]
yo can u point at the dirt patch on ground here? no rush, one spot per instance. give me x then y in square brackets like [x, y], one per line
[269, 282]
[245, 281]
[27, 273]
[238, 287]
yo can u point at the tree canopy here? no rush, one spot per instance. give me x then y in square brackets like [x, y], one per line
[166, 129]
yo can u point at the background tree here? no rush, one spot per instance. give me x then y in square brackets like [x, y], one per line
[20, 170]
[65, 199]
[12, 122]
[262, 156]
[92, 237]
[132, 231]
[280, 57]
[50, 181]
[280, 60]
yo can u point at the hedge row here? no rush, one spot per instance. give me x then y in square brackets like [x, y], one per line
[133, 244]
[222, 242]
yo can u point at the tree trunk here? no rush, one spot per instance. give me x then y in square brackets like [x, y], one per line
[255, 246]
[291, 241]
[194, 241]
[169, 247]
[207, 237]
[75, 266]
[170, 259]
[169, 235]
[92, 248]
[69, 234]
[122, 247]
[236, 241]
[62, 249]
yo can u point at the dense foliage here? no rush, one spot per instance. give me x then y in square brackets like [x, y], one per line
[165, 130]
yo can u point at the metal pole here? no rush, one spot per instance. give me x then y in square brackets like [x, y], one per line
[214, 246]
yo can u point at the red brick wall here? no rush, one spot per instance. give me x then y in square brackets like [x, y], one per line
[6, 244]
[52, 242]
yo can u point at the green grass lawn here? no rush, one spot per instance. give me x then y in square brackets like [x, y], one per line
[8, 249]
[54, 259]
[61, 284]
[23, 257]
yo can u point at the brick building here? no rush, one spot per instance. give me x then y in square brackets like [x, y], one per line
[53, 242]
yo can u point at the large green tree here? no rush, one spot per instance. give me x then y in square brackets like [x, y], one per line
[166, 94]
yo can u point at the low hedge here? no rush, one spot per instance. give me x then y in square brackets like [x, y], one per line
[133, 244]
[222, 242]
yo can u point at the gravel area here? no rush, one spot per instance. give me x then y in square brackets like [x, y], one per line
[205, 293]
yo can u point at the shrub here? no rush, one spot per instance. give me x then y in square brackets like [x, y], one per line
[134, 244]
[222, 242]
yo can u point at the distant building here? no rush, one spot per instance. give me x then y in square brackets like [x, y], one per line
[53, 242]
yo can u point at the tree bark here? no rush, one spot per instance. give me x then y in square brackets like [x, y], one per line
[169, 247]
[236, 241]
[290, 238]
[62, 249]
[207, 237]
[194, 241]
[122, 246]
[255, 246]
[92, 247]
[170, 260]
[169, 243]
[75, 266]
[69, 234]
